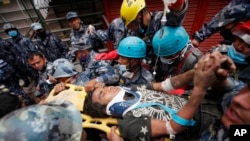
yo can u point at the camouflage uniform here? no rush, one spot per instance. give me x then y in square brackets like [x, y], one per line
[25, 45]
[44, 86]
[102, 70]
[11, 81]
[76, 35]
[92, 68]
[115, 32]
[55, 121]
[236, 10]
[10, 54]
[52, 46]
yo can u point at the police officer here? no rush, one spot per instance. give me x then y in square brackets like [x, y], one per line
[224, 21]
[95, 69]
[23, 45]
[9, 79]
[131, 51]
[78, 27]
[176, 53]
[11, 55]
[49, 44]
[44, 67]
[238, 50]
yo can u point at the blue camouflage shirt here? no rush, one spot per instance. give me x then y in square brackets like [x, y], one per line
[52, 47]
[23, 45]
[76, 35]
[101, 69]
[236, 10]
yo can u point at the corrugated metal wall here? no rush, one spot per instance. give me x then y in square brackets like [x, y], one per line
[213, 7]
[199, 12]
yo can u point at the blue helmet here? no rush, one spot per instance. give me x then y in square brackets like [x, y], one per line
[62, 67]
[169, 40]
[132, 47]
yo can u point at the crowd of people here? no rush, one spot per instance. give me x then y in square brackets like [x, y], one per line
[156, 82]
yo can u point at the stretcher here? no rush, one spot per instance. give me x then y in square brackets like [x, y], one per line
[76, 95]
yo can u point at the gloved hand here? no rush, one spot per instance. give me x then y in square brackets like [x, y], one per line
[90, 29]
[107, 56]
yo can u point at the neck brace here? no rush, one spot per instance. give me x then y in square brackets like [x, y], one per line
[118, 106]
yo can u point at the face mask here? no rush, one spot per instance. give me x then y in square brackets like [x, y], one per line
[176, 58]
[12, 33]
[124, 72]
[236, 56]
[122, 68]
[168, 61]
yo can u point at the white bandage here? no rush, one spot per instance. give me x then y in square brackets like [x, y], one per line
[166, 85]
[170, 130]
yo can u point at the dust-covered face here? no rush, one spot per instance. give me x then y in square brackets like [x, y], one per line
[241, 46]
[37, 62]
[239, 110]
[104, 94]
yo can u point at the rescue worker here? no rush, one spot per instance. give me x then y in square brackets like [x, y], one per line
[44, 67]
[131, 51]
[10, 54]
[224, 21]
[49, 44]
[238, 50]
[23, 45]
[9, 79]
[176, 53]
[100, 70]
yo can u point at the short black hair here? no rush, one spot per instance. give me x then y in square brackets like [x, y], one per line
[93, 109]
[8, 103]
[31, 54]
